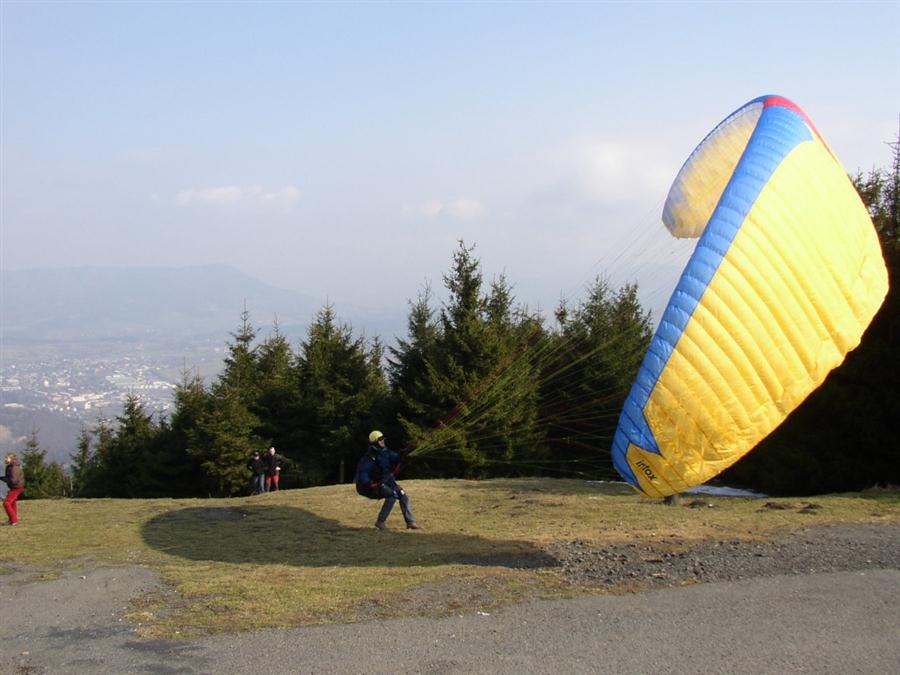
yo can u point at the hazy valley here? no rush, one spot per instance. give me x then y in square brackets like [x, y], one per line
[75, 342]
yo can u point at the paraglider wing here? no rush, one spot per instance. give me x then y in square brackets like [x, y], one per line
[785, 278]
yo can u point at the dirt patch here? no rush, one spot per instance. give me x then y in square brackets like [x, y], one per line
[510, 560]
[671, 562]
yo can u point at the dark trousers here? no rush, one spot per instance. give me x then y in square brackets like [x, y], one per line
[391, 494]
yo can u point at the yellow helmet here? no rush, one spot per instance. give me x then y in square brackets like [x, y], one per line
[374, 436]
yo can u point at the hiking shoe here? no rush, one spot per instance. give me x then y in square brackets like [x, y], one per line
[380, 524]
[413, 526]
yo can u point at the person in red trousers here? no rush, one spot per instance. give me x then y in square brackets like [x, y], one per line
[14, 477]
[272, 462]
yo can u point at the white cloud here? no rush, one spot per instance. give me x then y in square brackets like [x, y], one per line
[459, 209]
[219, 196]
[466, 208]
[235, 195]
[611, 172]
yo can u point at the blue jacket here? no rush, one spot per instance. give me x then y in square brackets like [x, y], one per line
[377, 466]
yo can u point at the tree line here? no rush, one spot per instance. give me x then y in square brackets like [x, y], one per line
[480, 386]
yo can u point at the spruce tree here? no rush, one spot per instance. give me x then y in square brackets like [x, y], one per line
[222, 441]
[593, 360]
[129, 458]
[467, 380]
[341, 383]
[222, 431]
[83, 464]
[278, 402]
[176, 472]
[509, 420]
[100, 479]
[412, 397]
[42, 479]
[240, 373]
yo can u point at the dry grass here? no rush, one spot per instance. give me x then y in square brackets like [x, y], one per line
[312, 556]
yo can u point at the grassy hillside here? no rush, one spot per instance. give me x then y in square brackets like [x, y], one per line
[312, 556]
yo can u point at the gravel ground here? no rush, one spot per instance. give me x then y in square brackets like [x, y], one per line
[671, 562]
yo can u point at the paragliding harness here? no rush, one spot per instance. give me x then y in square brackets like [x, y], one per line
[369, 490]
[363, 488]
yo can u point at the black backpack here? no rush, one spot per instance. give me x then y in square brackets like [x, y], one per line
[363, 488]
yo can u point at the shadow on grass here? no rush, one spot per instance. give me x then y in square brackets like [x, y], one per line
[283, 535]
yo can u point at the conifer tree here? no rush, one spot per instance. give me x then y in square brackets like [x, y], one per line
[33, 465]
[377, 388]
[83, 464]
[341, 384]
[509, 395]
[222, 441]
[470, 391]
[176, 472]
[444, 364]
[240, 373]
[408, 365]
[224, 433]
[42, 479]
[128, 459]
[595, 358]
[278, 402]
[99, 479]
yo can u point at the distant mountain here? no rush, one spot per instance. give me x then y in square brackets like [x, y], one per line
[149, 302]
[163, 303]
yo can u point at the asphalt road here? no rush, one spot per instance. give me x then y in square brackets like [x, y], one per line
[844, 622]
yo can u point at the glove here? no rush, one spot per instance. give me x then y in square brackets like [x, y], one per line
[405, 452]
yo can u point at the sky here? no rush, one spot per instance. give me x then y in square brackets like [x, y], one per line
[343, 150]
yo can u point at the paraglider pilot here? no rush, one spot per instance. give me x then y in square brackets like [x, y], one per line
[376, 479]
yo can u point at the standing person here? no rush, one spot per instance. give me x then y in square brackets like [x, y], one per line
[376, 477]
[257, 467]
[273, 470]
[14, 477]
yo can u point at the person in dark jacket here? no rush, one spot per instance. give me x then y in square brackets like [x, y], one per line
[377, 471]
[257, 468]
[273, 470]
[14, 477]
